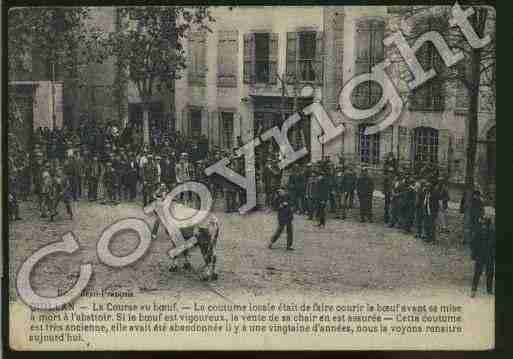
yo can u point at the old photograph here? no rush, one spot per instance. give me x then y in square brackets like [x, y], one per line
[251, 177]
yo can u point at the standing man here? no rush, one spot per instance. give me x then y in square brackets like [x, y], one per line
[61, 191]
[419, 209]
[339, 193]
[349, 187]
[109, 183]
[149, 179]
[311, 193]
[46, 189]
[81, 169]
[324, 191]
[483, 252]
[430, 209]
[285, 217]
[443, 192]
[365, 190]
[93, 173]
[132, 174]
[394, 201]
[183, 173]
[387, 191]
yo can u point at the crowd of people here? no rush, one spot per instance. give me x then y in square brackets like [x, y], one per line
[102, 163]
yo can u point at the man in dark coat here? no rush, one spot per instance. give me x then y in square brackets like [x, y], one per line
[132, 174]
[285, 217]
[349, 187]
[93, 173]
[483, 253]
[409, 204]
[387, 192]
[430, 211]
[396, 188]
[149, 179]
[365, 190]
[323, 196]
[475, 210]
[339, 193]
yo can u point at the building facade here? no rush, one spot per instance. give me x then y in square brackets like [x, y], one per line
[233, 85]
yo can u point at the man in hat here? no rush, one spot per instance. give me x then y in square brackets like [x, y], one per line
[149, 174]
[183, 172]
[408, 206]
[132, 175]
[93, 173]
[13, 209]
[349, 188]
[339, 193]
[365, 190]
[323, 190]
[46, 189]
[483, 248]
[61, 191]
[443, 192]
[37, 169]
[419, 209]
[285, 217]
[109, 183]
[388, 180]
[430, 211]
[396, 190]
[311, 192]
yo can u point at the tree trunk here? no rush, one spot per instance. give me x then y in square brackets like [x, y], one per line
[146, 123]
[472, 135]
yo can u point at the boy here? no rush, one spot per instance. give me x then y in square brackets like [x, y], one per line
[285, 217]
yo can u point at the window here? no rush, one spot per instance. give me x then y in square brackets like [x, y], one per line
[197, 68]
[227, 65]
[262, 51]
[195, 122]
[304, 56]
[227, 129]
[430, 95]
[260, 57]
[370, 51]
[368, 146]
[426, 145]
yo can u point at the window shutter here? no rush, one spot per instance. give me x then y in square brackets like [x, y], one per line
[362, 47]
[213, 128]
[273, 57]
[319, 56]
[197, 68]
[189, 122]
[227, 59]
[249, 58]
[443, 147]
[378, 36]
[202, 66]
[291, 67]
[411, 140]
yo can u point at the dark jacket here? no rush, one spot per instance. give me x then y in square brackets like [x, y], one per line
[484, 242]
[349, 182]
[431, 203]
[285, 213]
[365, 186]
[323, 188]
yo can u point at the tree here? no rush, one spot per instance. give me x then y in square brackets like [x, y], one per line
[474, 74]
[53, 36]
[148, 47]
